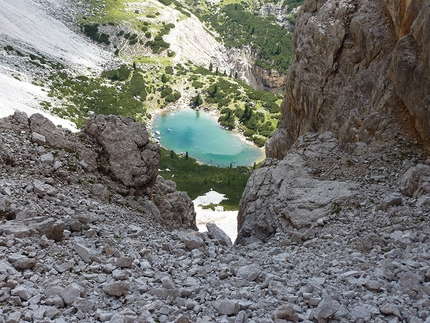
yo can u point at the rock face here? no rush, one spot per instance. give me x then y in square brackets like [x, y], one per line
[130, 157]
[361, 70]
[176, 208]
[320, 180]
[269, 80]
[410, 67]
[283, 194]
[243, 61]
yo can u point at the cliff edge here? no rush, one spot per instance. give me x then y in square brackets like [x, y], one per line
[361, 70]
[354, 124]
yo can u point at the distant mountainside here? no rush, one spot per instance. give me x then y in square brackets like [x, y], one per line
[153, 55]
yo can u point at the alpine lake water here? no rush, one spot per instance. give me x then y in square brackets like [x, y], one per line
[195, 132]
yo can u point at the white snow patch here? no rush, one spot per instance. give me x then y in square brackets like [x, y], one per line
[225, 220]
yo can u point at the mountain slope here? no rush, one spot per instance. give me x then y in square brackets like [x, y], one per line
[28, 30]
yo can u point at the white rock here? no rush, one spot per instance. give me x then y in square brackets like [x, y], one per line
[83, 252]
[38, 138]
[191, 241]
[217, 234]
[327, 308]
[47, 159]
[70, 293]
[116, 288]
[227, 307]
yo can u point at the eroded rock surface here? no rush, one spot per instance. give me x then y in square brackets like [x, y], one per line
[361, 70]
[130, 157]
[319, 177]
[283, 194]
[112, 155]
[176, 208]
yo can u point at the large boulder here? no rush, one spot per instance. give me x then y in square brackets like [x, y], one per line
[176, 208]
[416, 181]
[128, 154]
[361, 70]
[283, 195]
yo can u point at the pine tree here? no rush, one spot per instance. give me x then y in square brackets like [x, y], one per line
[197, 100]
[164, 78]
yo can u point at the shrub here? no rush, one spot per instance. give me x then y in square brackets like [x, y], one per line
[166, 2]
[197, 100]
[120, 74]
[173, 97]
[166, 91]
[92, 31]
[197, 84]
[169, 70]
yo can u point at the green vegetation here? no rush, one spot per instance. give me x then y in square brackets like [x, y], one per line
[92, 31]
[108, 94]
[240, 27]
[197, 179]
[133, 90]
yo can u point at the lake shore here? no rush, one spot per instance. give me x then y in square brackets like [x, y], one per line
[214, 114]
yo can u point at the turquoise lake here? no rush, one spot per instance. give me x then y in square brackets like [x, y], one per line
[195, 132]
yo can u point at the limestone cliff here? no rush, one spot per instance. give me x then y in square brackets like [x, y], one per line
[360, 81]
[361, 70]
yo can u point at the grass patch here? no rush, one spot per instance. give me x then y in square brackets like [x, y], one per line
[197, 179]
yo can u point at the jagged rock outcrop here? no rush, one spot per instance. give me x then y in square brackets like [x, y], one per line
[361, 70]
[410, 67]
[320, 180]
[176, 208]
[243, 61]
[129, 155]
[113, 153]
[269, 80]
[284, 195]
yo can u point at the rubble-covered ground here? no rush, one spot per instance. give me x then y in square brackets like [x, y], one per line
[76, 246]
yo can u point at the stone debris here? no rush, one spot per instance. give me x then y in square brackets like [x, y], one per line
[327, 308]
[95, 250]
[217, 234]
[116, 289]
[227, 307]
